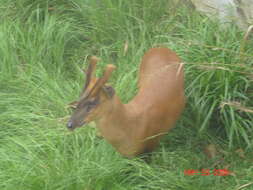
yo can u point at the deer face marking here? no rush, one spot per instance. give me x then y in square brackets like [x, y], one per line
[93, 98]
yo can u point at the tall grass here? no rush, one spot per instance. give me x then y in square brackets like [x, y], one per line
[44, 46]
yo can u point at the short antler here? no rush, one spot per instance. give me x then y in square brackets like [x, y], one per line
[90, 71]
[108, 71]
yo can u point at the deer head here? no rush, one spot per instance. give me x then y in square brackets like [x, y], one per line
[95, 99]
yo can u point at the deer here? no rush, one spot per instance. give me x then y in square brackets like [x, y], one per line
[136, 127]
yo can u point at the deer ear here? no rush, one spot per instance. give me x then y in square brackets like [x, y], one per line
[109, 91]
[73, 104]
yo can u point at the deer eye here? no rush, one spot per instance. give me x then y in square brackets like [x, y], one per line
[91, 105]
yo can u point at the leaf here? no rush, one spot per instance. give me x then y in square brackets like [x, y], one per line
[211, 151]
[125, 48]
[240, 153]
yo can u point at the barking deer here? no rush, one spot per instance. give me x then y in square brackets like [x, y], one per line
[135, 127]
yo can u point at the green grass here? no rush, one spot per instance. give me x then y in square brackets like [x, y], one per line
[45, 44]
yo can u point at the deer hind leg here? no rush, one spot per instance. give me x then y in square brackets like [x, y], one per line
[152, 145]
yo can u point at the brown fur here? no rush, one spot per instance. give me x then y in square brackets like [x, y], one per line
[137, 127]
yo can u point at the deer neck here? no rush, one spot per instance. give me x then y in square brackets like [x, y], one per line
[116, 125]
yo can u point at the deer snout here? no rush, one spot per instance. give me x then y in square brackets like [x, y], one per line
[70, 125]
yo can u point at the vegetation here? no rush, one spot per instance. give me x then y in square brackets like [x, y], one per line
[44, 46]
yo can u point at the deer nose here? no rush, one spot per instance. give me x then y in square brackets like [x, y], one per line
[70, 125]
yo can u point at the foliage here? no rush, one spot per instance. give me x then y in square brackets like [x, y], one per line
[45, 44]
